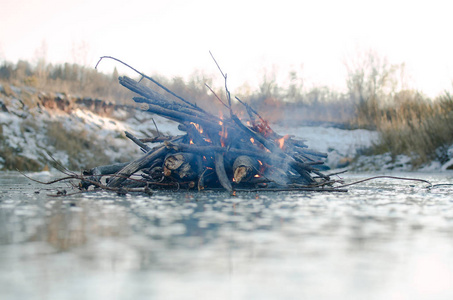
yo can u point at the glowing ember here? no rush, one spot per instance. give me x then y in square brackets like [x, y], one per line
[252, 140]
[191, 142]
[257, 176]
[263, 128]
[259, 161]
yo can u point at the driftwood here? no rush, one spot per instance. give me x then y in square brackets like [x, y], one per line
[214, 152]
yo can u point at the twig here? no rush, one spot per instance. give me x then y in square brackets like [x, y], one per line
[441, 184]
[155, 125]
[142, 145]
[152, 80]
[49, 182]
[299, 189]
[248, 107]
[157, 139]
[218, 98]
[59, 166]
[226, 86]
[388, 177]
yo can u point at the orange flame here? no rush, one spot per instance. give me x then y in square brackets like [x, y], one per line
[197, 127]
[281, 141]
[262, 167]
[223, 134]
[257, 176]
[252, 140]
[191, 142]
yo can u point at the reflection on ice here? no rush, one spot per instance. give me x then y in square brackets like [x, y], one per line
[383, 239]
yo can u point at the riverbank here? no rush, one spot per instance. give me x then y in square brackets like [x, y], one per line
[80, 133]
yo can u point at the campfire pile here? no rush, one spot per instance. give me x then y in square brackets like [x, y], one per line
[213, 153]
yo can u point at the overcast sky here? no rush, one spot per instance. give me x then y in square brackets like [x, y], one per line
[174, 37]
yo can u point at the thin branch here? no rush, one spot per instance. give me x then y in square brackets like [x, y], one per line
[226, 86]
[48, 182]
[387, 177]
[248, 107]
[215, 61]
[218, 98]
[150, 79]
[155, 125]
[142, 145]
[59, 166]
[441, 184]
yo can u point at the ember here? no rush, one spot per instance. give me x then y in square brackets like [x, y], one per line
[214, 152]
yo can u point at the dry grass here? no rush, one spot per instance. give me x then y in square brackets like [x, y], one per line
[80, 146]
[12, 160]
[416, 126]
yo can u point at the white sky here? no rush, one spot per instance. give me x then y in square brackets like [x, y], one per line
[174, 37]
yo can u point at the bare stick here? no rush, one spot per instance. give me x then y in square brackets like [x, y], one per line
[218, 98]
[137, 141]
[157, 139]
[152, 80]
[226, 87]
[300, 189]
[155, 125]
[248, 107]
[387, 177]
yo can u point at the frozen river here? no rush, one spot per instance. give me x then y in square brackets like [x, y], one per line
[384, 239]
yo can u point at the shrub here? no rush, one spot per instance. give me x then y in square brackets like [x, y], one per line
[416, 126]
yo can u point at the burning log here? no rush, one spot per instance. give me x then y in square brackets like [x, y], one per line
[244, 168]
[180, 165]
[215, 151]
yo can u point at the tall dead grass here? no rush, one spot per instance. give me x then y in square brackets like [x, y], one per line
[416, 126]
[80, 146]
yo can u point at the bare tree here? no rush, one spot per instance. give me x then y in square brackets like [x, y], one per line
[372, 81]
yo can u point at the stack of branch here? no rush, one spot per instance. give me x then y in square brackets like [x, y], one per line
[213, 152]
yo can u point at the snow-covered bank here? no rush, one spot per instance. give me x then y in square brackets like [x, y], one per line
[33, 124]
[341, 145]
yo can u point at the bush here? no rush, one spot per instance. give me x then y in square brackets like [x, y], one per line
[416, 126]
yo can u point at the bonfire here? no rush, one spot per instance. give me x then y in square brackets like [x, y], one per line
[213, 153]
